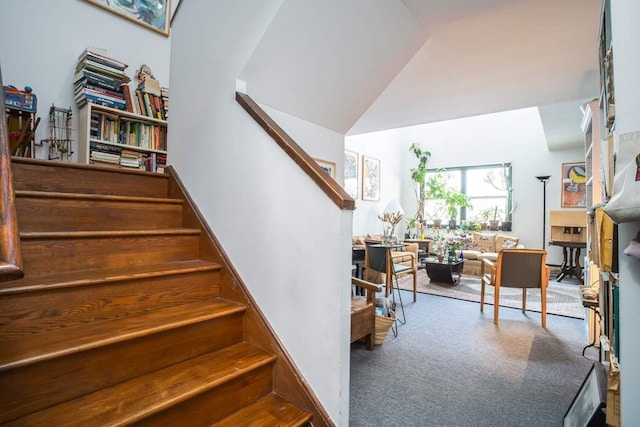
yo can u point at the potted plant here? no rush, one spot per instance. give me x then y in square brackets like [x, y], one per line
[436, 190]
[455, 199]
[507, 223]
[493, 223]
[418, 175]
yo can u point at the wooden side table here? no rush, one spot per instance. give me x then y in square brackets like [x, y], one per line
[571, 259]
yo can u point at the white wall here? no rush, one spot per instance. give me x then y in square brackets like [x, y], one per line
[514, 136]
[40, 42]
[381, 146]
[288, 241]
[318, 142]
[626, 68]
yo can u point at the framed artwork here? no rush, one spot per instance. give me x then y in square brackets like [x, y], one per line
[327, 166]
[351, 173]
[574, 181]
[587, 406]
[370, 178]
[152, 14]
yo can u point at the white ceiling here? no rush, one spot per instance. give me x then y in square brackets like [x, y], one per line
[359, 66]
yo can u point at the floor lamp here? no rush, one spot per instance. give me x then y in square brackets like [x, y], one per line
[544, 179]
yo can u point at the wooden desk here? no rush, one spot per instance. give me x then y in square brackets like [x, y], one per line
[570, 259]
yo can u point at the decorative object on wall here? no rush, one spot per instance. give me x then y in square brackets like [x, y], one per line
[370, 179]
[327, 166]
[351, 173]
[152, 14]
[544, 179]
[573, 185]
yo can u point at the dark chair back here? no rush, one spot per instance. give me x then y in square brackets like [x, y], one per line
[520, 268]
[377, 257]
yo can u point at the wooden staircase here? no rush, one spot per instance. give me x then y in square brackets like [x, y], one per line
[130, 313]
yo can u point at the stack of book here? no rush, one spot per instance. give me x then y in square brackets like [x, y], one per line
[99, 79]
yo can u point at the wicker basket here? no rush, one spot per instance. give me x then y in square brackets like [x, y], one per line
[382, 326]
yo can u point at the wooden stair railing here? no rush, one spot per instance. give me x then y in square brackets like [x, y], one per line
[10, 255]
[130, 313]
[327, 184]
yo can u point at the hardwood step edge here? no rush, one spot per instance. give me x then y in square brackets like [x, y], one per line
[57, 343]
[295, 416]
[89, 167]
[34, 235]
[86, 196]
[50, 282]
[151, 392]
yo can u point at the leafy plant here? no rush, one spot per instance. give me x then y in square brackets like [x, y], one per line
[418, 175]
[455, 199]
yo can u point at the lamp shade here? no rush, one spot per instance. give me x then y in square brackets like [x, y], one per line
[393, 207]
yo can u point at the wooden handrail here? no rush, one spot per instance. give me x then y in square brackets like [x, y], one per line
[327, 184]
[10, 254]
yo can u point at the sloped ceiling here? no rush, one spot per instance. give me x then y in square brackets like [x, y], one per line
[326, 61]
[359, 66]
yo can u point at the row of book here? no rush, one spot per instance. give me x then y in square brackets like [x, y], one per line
[99, 79]
[123, 131]
[115, 156]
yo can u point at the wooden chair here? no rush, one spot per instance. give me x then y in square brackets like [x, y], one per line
[517, 268]
[377, 262]
[363, 312]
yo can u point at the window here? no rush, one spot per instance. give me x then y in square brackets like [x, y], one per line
[488, 188]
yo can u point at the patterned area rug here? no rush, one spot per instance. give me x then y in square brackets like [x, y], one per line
[562, 298]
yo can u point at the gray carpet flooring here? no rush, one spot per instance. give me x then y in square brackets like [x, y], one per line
[451, 366]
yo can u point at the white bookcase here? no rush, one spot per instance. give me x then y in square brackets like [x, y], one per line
[118, 138]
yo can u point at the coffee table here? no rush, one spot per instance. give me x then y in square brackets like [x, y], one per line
[443, 272]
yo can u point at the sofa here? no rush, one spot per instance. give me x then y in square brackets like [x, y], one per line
[483, 246]
[407, 256]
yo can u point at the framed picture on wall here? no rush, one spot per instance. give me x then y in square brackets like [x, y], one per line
[327, 166]
[574, 181]
[351, 173]
[370, 179]
[152, 14]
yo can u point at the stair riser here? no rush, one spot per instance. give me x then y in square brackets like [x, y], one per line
[62, 214]
[41, 385]
[59, 255]
[29, 313]
[57, 177]
[217, 403]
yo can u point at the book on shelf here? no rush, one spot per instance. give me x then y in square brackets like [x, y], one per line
[84, 76]
[127, 97]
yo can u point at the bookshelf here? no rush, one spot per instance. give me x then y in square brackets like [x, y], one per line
[119, 138]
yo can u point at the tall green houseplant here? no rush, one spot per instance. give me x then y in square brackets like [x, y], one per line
[418, 175]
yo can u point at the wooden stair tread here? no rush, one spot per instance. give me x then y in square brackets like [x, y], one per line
[61, 342]
[86, 196]
[106, 275]
[108, 233]
[140, 397]
[269, 411]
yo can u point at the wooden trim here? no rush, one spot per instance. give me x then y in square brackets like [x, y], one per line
[10, 253]
[288, 382]
[327, 184]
